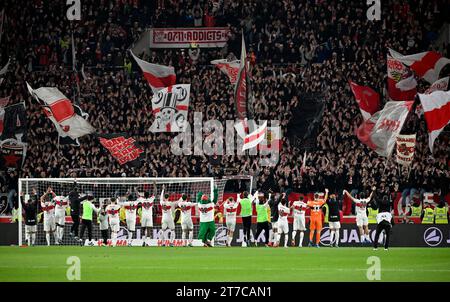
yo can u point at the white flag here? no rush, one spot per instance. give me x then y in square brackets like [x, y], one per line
[170, 107]
[68, 118]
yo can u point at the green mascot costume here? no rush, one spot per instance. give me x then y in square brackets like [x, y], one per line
[207, 225]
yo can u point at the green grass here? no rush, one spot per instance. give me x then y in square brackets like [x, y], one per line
[223, 264]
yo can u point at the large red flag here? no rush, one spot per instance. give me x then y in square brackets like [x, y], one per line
[367, 99]
[401, 85]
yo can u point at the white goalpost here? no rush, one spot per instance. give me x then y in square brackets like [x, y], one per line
[102, 189]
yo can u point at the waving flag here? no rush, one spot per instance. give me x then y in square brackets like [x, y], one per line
[441, 84]
[436, 107]
[401, 84]
[242, 91]
[380, 131]
[426, 65]
[256, 137]
[69, 119]
[367, 99]
[170, 108]
[157, 76]
[230, 68]
[123, 148]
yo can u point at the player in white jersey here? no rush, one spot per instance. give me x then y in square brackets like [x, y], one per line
[299, 207]
[113, 210]
[362, 221]
[103, 223]
[187, 227]
[282, 224]
[48, 207]
[61, 204]
[130, 207]
[147, 203]
[230, 208]
[167, 222]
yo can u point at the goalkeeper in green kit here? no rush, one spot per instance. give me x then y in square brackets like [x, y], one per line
[207, 224]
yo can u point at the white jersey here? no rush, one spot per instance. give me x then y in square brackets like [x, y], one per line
[61, 203]
[283, 212]
[299, 208]
[206, 212]
[130, 209]
[147, 205]
[230, 209]
[384, 216]
[361, 205]
[113, 211]
[167, 209]
[186, 210]
[49, 209]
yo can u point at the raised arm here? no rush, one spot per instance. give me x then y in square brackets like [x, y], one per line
[216, 195]
[349, 195]
[254, 196]
[161, 197]
[199, 196]
[326, 194]
[371, 193]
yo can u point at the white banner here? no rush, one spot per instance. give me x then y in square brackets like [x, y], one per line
[170, 108]
[183, 37]
[406, 145]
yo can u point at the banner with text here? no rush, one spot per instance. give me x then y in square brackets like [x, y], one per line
[203, 37]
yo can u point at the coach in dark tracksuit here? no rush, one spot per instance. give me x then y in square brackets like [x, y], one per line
[75, 200]
[384, 220]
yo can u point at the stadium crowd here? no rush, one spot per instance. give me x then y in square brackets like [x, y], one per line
[295, 46]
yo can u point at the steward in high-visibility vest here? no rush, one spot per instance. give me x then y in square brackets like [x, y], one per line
[441, 214]
[428, 216]
[416, 210]
[372, 215]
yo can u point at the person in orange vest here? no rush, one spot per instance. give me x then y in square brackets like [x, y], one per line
[316, 217]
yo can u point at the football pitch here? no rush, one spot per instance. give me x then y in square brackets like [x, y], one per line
[223, 264]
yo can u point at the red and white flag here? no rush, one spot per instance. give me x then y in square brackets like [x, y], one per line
[254, 138]
[441, 84]
[69, 119]
[436, 107]
[230, 68]
[426, 65]
[242, 128]
[367, 99]
[401, 84]
[380, 131]
[157, 76]
[170, 108]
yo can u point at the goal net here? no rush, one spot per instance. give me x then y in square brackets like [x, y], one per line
[103, 189]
